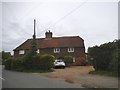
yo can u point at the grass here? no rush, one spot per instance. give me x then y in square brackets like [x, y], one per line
[37, 71]
[34, 70]
[105, 73]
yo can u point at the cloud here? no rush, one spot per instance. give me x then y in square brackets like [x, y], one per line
[95, 22]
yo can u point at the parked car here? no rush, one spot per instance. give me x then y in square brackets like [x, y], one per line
[59, 63]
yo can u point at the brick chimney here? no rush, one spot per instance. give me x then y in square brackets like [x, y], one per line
[48, 34]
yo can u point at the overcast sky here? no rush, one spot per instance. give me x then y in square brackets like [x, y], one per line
[95, 22]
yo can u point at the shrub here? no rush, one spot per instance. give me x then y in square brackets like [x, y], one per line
[83, 61]
[105, 57]
[17, 64]
[30, 63]
[68, 60]
[46, 61]
[41, 62]
[5, 56]
[8, 63]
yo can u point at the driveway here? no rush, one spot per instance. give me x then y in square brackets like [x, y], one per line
[79, 75]
[32, 80]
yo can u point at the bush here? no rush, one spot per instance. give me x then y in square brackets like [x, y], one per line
[83, 61]
[105, 57]
[17, 64]
[41, 62]
[8, 63]
[68, 60]
[46, 61]
[5, 56]
[30, 63]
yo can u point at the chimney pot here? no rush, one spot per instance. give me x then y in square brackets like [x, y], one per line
[48, 34]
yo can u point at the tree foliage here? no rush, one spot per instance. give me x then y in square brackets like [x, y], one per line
[105, 56]
[33, 49]
[68, 60]
[5, 56]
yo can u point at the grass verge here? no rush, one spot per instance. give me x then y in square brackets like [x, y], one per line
[105, 73]
[34, 71]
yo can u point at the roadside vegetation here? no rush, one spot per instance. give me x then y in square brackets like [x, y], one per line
[105, 58]
[104, 73]
[29, 63]
[5, 56]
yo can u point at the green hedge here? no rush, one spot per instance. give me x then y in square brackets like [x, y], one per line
[17, 64]
[105, 57]
[46, 61]
[36, 62]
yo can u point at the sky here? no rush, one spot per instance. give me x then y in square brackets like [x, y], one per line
[95, 22]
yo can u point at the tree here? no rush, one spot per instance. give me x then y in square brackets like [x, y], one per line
[105, 56]
[5, 56]
[34, 46]
[68, 60]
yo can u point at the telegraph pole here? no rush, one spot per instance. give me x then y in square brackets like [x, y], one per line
[34, 41]
[34, 35]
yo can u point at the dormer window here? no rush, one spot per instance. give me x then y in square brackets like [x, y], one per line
[56, 50]
[21, 51]
[70, 49]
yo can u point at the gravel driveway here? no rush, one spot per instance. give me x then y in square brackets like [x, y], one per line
[79, 75]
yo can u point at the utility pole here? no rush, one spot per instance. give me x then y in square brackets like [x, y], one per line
[34, 41]
[34, 35]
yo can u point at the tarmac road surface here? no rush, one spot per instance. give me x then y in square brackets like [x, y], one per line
[14, 79]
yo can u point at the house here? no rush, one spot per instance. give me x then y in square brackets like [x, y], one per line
[57, 46]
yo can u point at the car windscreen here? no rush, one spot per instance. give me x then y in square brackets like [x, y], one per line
[59, 60]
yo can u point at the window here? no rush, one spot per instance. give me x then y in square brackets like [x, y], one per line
[38, 51]
[70, 49]
[21, 51]
[56, 50]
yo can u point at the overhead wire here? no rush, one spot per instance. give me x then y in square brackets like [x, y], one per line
[66, 15]
[69, 13]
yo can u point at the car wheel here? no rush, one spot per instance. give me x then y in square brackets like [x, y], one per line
[63, 67]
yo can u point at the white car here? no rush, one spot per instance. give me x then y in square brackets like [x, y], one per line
[59, 63]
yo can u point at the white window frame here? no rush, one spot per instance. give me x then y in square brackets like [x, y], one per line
[70, 49]
[21, 52]
[56, 50]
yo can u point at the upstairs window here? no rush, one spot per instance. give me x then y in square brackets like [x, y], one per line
[21, 51]
[56, 50]
[70, 49]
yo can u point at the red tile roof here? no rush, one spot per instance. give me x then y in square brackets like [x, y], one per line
[74, 41]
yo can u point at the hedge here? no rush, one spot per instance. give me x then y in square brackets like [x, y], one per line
[36, 62]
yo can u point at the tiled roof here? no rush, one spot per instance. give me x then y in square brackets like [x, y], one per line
[74, 41]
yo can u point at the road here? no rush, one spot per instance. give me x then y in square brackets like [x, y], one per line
[31, 80]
